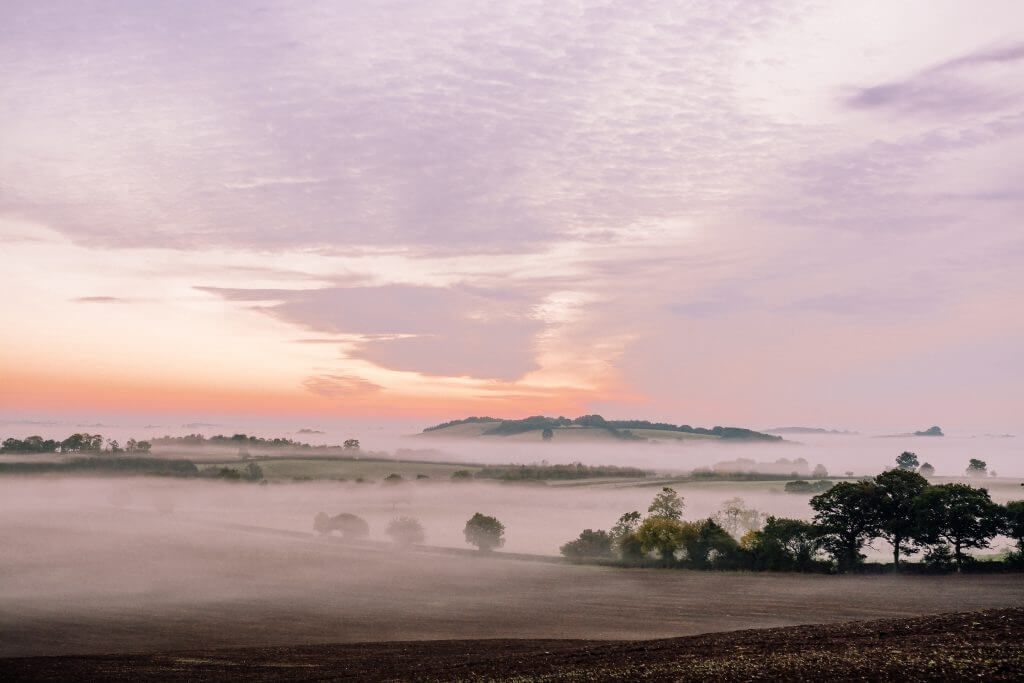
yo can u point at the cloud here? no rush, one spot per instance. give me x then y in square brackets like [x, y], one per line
[334, 386]
[450, 126]
[99, 300]
[950, 87]
[473, 331]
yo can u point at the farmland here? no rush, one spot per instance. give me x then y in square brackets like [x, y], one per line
[987, 645]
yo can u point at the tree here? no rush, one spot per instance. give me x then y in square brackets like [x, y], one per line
[252, 472]
[709, 538]
[736, 518]
[819, 471]
[485, 532]
[846, 515]
[926, 470]
[897, 491]
[393, 478]
[143, 446]
[664, 535]
[977, 468]
[667, 504]
[462, 475]
[547, 434]
[590, 544]
[1013, 522]
[351, 444]
[405, 531]
[351, 526]
[784, 544]
[958, 514]
[907, 461]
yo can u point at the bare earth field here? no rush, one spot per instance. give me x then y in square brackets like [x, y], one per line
[967, 646]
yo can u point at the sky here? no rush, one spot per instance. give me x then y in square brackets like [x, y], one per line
[746, 213]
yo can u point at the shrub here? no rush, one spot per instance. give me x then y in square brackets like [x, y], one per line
[405, 531]
[485, 532]
[590, 544]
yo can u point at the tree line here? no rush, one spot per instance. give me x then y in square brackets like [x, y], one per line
[943, 521]
[76, 443]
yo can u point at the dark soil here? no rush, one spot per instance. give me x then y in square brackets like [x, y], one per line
[985, 645]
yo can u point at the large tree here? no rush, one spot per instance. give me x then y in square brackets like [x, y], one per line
[896, 521]
[846, 515]
[907, 461]
[485, 532]
[958, 514]
[667, 504]
[784, 544]
[1013, 514]
[664, 535]
[977, 468]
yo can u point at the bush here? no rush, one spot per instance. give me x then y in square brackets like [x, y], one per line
[405, 531]
[591, 544]
[485, 532]
[351, 526]
[938, 558]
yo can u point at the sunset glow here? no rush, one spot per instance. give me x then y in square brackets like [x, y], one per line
[443, 210]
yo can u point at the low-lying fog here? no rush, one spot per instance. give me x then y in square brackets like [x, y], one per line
[839, 453]
[113, 565]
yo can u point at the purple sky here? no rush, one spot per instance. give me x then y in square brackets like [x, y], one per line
[747, 213]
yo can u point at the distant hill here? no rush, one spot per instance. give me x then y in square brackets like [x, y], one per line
[588, 428]
[808, 430]
[931, 431]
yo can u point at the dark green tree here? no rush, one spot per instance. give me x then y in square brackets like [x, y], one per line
[547, 434]
[709, 542]
[485, 532]
[590, 544]
[784, 544]
[1013, 522]
[846, 515]
[958, 514]
[926, 470]
[896, 519]
[907, 461]
[976, 468]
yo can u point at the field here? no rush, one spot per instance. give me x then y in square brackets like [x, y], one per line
[85, 576]
[291, 468]
[974, 645]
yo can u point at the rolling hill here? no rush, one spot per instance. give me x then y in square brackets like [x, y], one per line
[587, 428]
